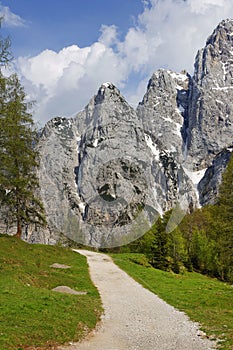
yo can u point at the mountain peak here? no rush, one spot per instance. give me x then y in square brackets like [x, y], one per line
[108, 92]
[108, 85]
[107, 173]
[226, 23]
[221, 36]
[210, 106]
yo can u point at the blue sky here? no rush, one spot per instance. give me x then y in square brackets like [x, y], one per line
[65, 49]
[55, 24]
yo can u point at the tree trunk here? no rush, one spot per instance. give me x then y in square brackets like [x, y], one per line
[19, 229]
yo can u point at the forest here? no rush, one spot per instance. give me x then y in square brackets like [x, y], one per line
[203, 242]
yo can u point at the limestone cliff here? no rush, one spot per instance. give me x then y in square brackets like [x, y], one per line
[106, 174]
[109, 172]
[210, 111]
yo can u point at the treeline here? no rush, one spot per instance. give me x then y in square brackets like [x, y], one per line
[202, 242]
[19, 204]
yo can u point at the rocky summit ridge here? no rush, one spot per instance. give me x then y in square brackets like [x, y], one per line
[109, 172]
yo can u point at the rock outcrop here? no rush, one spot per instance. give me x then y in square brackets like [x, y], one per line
[210, 111]
[108, 173]
[100, 178]
[209, 184]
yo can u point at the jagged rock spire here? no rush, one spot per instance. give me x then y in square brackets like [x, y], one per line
[107, 173]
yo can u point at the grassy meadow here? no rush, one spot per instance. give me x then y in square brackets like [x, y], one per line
[31, 315]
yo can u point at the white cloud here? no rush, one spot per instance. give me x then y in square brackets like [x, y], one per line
[108, 35]
[203, 6]
[10, 19]
[167, 34]
[62, 83]
[48, 67]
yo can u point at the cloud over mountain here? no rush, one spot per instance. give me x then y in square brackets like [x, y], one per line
[166, 34]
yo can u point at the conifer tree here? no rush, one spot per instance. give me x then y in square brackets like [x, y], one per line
[18, 157]
[160, 244]
[226, 192]
[225, 220]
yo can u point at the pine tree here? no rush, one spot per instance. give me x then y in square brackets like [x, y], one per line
[226, 192]
[225, 220]
[159, 247]
[18, 158]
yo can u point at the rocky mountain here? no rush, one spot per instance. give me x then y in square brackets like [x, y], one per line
[108, 173]
[210, 108]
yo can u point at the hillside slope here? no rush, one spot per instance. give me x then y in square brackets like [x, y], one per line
[31, 314]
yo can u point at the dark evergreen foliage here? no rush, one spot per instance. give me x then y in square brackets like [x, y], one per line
[18, 157]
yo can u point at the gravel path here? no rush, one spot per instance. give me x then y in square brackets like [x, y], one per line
[134, 318]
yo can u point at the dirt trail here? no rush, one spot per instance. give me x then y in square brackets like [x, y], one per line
[134, 318]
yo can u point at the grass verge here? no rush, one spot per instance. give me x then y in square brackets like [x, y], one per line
[205, 300]
[31, 315]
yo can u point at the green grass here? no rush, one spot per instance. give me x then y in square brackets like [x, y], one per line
[205, 300]
[31, 315]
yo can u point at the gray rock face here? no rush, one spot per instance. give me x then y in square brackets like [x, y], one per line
[210, 119]
[106, 174]
[113, 169]
[209, 185]
[58, 159]
[97, 180]
[163, 112]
